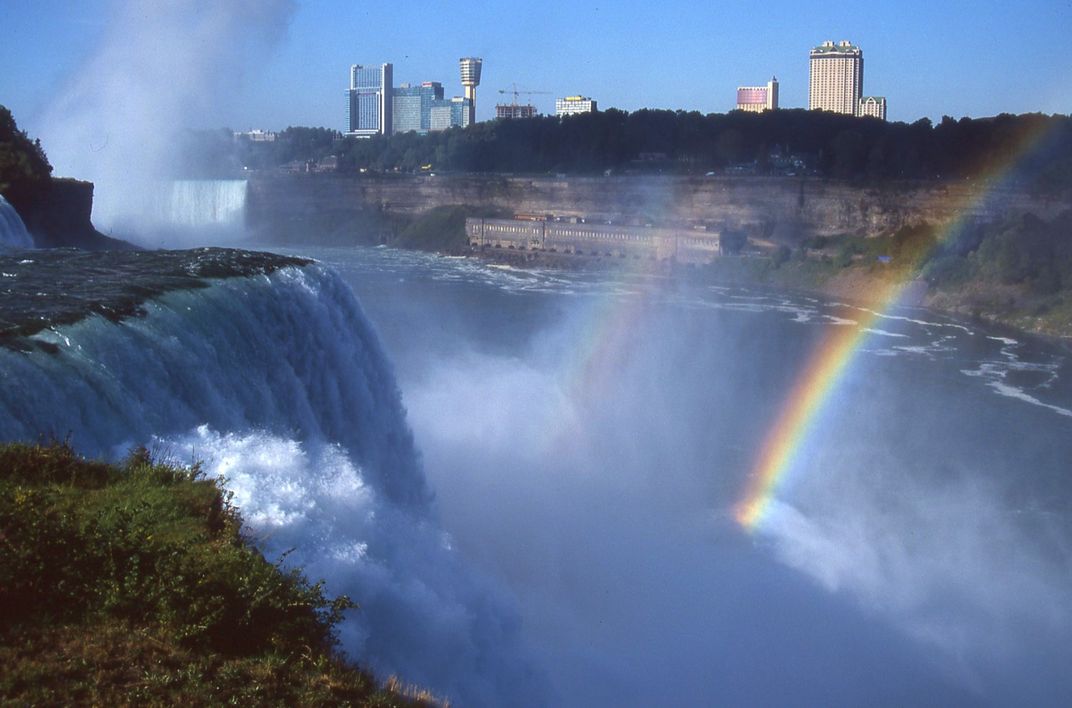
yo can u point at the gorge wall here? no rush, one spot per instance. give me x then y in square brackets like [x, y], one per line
[346, 209]
[58, 215]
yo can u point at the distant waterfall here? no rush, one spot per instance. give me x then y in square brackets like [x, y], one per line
[13, 233]
[176, 214]
[201, 203]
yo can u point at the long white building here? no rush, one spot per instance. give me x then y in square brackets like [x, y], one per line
[571, 105]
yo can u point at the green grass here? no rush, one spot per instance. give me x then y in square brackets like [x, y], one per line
[131, 583]
[442, 228]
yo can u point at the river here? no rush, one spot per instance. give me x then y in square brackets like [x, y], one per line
[532, 482]
[587, 438]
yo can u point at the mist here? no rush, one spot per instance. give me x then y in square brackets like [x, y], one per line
[592, 465]
[161, 68]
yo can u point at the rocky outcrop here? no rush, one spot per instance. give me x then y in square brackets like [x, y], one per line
[58, 215]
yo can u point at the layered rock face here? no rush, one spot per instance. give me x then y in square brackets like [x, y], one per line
[59, 215]
[786, 209]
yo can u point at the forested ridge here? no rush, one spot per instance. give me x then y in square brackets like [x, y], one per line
[1038, 147]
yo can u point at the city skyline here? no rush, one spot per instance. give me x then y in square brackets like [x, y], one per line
[998, 59]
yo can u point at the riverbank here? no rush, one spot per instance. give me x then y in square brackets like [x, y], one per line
[1047, 316]
[135, 584]
[334, 208]
[996, 253]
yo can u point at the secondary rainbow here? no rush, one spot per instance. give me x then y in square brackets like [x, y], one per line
[828, 362]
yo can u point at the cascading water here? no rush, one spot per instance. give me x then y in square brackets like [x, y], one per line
[278, 383]
[13, 233]
[177, 213]
[197, 203]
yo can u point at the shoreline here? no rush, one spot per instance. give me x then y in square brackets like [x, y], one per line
[756, 272]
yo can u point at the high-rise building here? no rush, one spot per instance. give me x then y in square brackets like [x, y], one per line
[874, 106]
[369, 106]
[452, 113]
[837, 77]
[470, 68]
[412, 106]
[756, 99]
[515, 110]
[571, 105]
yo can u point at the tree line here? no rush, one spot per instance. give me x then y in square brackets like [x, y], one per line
[24, 168]
[1032, 149]
[1037, 147]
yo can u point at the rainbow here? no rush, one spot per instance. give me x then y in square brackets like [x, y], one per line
[816, 382]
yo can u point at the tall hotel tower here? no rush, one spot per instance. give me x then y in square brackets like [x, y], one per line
[369, 105]
[837, 77]
[470, 67]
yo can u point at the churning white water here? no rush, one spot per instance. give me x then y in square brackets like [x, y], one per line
[13, 233]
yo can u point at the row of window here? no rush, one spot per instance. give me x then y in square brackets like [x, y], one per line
[491, 229]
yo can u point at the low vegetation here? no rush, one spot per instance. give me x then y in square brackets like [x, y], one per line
[24, 168]
[132, 584]
[442, 228]
[1016, 270]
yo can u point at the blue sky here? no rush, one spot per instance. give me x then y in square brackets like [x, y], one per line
[927, 58]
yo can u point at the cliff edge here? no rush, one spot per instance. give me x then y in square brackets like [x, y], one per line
[58, 214]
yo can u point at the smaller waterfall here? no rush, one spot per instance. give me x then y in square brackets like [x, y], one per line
[176, 214]
[13, 233]
[198, 203]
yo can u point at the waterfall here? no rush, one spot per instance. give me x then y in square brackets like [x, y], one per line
[198, 203]
[13, 233]
[278, 384]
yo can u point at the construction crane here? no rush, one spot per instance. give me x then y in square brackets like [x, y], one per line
[516, 92]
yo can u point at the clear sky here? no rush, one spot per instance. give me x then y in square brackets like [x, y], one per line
[929, 58]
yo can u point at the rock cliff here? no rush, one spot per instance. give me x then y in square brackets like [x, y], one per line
[58, 215]
[785, 209]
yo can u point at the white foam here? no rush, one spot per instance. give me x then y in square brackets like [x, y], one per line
[995, 373]
[884, 333]
[424, 615]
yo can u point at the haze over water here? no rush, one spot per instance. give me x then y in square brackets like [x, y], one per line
[919, 554]
[586, 438]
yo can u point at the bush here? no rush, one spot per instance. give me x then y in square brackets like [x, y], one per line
[132, 584]
[23, 165]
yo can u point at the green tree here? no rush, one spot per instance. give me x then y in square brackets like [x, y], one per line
[23, 164]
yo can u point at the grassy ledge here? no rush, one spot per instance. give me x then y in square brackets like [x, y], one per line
[132, 584]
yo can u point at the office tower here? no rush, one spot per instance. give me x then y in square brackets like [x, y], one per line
[571, 105]
[412, 106]
[370, 105]
[756, 99]
[874, 106]
[837, 77]
[470, 68]
[452, 113]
